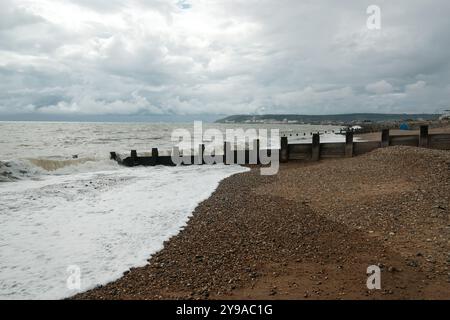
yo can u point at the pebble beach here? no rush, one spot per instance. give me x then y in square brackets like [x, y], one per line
[310, 232]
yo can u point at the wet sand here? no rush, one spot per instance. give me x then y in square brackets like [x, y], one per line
[310, 232]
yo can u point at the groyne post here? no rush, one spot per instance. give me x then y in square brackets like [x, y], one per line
[315, 156]
[253, 153]
[284, 151]
[227, 153]
[201, 153]
[349, 144]
[258, 147]
[385, 138]
[155, 156]
[134, 157]
[423, 139]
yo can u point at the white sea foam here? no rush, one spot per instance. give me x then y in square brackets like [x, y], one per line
[102, 221]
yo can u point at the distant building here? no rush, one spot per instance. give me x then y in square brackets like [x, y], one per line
[446, 115]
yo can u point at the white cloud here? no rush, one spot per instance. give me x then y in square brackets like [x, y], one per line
[380, 87]
[416, 86]
[86, 105]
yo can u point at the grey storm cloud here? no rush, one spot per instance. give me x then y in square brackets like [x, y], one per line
[184, 57]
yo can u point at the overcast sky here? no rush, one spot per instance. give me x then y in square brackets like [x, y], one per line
[158, 57]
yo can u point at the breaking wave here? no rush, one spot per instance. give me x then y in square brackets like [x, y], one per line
[53, 165]
[22, 169]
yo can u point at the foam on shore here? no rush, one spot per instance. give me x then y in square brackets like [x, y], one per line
[103, 221]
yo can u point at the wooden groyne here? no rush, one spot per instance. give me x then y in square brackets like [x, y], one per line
[298, 151]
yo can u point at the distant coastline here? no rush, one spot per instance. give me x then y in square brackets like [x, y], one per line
[334, 119]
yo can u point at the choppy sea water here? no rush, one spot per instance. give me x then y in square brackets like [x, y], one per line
[58, 212]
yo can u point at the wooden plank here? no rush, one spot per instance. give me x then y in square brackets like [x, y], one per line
[165, 161]
[300, 151]
[439, 141]
[360, 148]
[332, 150]
[410, 140]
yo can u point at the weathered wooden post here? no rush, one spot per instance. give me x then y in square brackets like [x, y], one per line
[201, 149]
[349, 144]
[284, 151]
[225, 151]
[155, 156]
[258, 147]
[134, 157]
[315, 147]
[113, 156]
[253, 153]
[423, 139]
[385, 138]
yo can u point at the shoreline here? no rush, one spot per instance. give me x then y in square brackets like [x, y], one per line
[289, 236]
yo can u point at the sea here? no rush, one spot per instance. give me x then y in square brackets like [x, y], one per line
[72, 219]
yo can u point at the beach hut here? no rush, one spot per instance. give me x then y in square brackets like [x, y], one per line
[404, 126]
